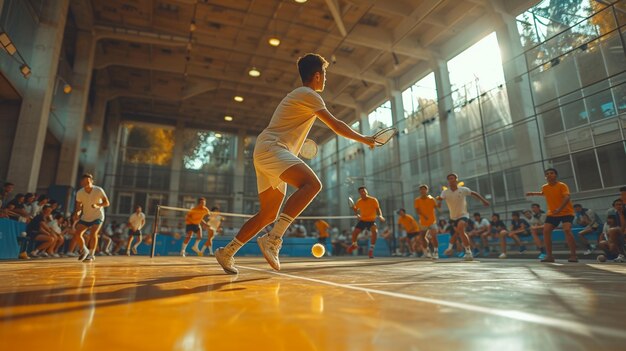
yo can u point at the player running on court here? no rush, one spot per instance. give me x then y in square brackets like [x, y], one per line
[90, 202]
[425, 209]
[213, 226]
[193, 219]
[277, 165]
[459, 216]
[367, 210]
[560, 210]
[136, 221]
[412, 229]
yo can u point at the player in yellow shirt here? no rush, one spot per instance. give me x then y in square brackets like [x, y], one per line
[560, 210]
[412, 229]
[194, 218]
[367, 210]
[425, 209]
[322, 228]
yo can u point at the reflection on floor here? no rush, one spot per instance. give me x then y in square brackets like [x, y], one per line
[173, 303]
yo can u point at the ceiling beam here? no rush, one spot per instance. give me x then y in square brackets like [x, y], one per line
[333, 6]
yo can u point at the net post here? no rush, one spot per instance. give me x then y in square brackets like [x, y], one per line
[154, 230]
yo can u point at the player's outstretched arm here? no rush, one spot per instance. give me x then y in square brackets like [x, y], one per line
[534, 193]
[341, 128]
[481, 198]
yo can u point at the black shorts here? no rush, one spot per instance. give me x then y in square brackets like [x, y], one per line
[322, 240]
[454, 222]
[192, 228]
[365, 225]
[89, 224]
[412, 235]
[134, 232]
[555, 221]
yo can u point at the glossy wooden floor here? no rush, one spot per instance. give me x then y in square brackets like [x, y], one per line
[173, 303]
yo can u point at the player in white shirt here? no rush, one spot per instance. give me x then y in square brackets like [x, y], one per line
[276, 163]
[459, 216]
[90, 202]
[136, 221]
[214, 225]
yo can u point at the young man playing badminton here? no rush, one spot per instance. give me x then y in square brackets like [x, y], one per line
[90, 202]
[213, 226]
[193, 220]
[459, 216]
[277, 165]
[425, 206]
[367, 210]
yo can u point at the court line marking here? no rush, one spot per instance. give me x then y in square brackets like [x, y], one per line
[569, 326]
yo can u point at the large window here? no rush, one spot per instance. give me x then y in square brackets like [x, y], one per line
[420, 99]
[381, 117]
[476, 70]
[206, 150]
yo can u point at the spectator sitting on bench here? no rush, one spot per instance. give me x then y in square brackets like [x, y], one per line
[519, 226]
[16, 209]
[590, 221]
[536, 228]
[608, 240]
[618, 208]
[496, 227]
[38, 230]
[481, 226]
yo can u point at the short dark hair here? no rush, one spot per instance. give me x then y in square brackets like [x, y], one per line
[41, 198]
[310, 64]
[403, 210]
[58, 215]
[423, 186]
[476, 214]
[578, 205]
[29, 195]
[361, 187]
[616, 200]
[515, 213]
[456, 176]
[535, 204]
[611, 216]
[87, 175]
[19, 195]
[497, 215]
[551, 169]
[201, 198]
[8, 184]
[46, 207]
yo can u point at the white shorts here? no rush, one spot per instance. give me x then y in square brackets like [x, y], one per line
[271, 159]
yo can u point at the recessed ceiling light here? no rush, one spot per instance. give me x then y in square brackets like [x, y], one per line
[218, 135]
[300, 1]
[254, 72]
[238, 98]
[273, 41]
[228, 118]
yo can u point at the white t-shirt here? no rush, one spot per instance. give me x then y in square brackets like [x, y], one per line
[214, 221]
[89, 213]
[54, 225]
[293, 119]
[137, 220]
[456, 201]
[484, 223]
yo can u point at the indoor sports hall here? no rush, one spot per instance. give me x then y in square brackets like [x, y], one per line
[312, 175]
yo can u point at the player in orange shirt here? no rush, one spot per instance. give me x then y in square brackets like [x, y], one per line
[425, 209]
[322, 228]
[412, 229]
[367, 210]
[560, 210]
[193, 219]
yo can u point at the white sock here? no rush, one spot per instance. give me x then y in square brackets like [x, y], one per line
[85, 249]
[184, 248]
[435, 249]
[195, 245]
[450, 246]
[284, 221]
[233, 246]
[211, 250]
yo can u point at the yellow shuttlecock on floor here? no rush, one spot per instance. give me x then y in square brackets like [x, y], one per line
[318, 250]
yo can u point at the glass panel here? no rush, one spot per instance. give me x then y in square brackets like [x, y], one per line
[611, 158]
[556, 145]
[420, 100]
[381, 117]
[587, 173]
[551, 120]
[580, 139]
[574, 113]
[564, 166]
[605, 133]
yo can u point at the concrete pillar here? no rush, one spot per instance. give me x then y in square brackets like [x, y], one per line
[365, 130]
[239, 180]
[397, 115]
[1, 4]
[96, 126]
[177, 164]
[33, 121]
[445, 104]
[76, 109]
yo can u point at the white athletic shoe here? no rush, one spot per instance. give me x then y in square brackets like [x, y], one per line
[182, 253]
[436, 255]
[90, 258]
[587, 252]
[71, 254]
[227, 262]
[448, 252]
[427, 254]
[413, 254]
[620, 259]
[197, 251]
[270, 248]
[502, 255]
[83, 255]
[468, 256]
[56, 255]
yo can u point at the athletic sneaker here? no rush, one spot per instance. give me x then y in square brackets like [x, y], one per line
[448, 252]
[23, 256]
[435, 255]
[71, 254]
[541, 256]
[134, 250]
[522, 249]
[461, 254]
[227, 262]
[502, 255]
[183, 254]
[414, 255]
[427, 254]
[270, 247]
[620, 259]
[90, 258]
[56, 255]
[351, 248]
[194, 250]
[476, 252]
[370, 253]
[83, 255]
[468, 256]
